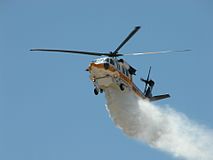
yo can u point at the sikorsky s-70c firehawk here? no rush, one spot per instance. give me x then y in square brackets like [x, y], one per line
[110, 71]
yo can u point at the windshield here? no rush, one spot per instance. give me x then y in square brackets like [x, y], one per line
[102, 60]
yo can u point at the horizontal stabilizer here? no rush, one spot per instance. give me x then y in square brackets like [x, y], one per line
[159, 97]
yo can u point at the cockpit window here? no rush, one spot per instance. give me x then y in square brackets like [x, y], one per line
[112, 62]
[107, 60]
[101, 60]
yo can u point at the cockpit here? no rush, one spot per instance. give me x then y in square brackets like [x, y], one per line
[119, 65]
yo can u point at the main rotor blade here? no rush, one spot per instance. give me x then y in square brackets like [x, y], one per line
[71, 51]
[157, 52]
[127, 38]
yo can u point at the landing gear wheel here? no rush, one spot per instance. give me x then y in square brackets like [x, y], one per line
[101, 90]
[96, 91]
[122, 87]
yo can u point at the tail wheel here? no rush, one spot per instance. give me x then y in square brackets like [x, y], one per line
[96, 91]
[122, 87]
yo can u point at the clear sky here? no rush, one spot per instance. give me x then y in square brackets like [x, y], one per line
[47, 107]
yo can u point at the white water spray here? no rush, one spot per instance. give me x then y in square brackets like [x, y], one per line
[160, 127]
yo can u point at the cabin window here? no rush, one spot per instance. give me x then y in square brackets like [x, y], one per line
[127, 73]
[116, 64]
[107, 60]
[123, 70]
[119, 67]
[112, 62]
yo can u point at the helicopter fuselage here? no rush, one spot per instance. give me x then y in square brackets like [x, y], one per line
[111, 72]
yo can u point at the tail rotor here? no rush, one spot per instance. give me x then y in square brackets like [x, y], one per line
[147, 81]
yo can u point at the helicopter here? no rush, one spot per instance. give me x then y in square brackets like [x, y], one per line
[111, 71]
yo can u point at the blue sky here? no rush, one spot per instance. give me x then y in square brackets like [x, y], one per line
[47, 106]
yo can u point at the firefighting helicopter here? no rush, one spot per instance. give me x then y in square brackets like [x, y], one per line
[110, 71]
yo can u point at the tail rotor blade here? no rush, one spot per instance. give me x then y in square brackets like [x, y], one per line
[147, 80]
[149, 73]
[143, 80]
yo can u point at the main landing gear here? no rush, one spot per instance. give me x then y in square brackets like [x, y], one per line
[96, 91]
[122, 87]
